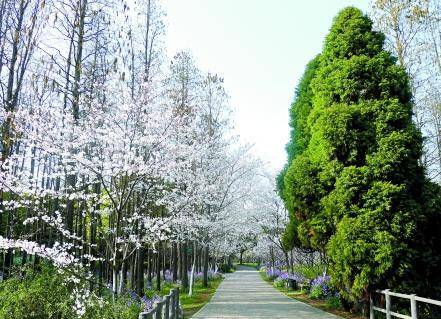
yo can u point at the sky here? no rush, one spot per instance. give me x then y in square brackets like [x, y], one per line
[261, 49]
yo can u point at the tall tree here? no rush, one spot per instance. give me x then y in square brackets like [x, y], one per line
[357, 189]
[21, 23]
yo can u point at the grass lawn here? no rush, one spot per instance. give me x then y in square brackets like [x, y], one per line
[320, 304]
[254, 265]
[200, 297]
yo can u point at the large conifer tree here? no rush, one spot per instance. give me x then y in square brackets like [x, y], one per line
[356, 188]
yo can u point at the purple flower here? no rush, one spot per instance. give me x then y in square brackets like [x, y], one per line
[322, 282]
[294, 276]
[284, 276]
[273, 273]
[297, 277]
[149, 303]
[133, 295]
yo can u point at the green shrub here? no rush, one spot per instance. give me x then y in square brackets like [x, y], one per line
[44, 294]
[122, 308]
[38, 295]
[333, 302]
[316, 292]
[308, 271]
[278, 282]
[227, 268]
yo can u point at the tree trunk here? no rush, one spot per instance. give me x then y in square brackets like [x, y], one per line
[206, 255]
[184, 266]
[180, 264]
[123, 275]
[115, 280]
[285, 253]
[158, 268]
[198, 260]
[164, 260]
[190, 293]
[292, 262]
[150, 259]
[140, 272]
[133, 270]
[175, 262]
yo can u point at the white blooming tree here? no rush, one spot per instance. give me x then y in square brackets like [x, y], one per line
[115, 168]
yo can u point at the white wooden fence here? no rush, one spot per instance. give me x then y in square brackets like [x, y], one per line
[391, 314]
[168, 308]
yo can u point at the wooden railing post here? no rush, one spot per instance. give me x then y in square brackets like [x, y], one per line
[413, 307]
[167, 307]
[159, 310]
[371, 307]
[146, 315]
[176, 305]
[388, 304]
[414, 299]
[172, 304]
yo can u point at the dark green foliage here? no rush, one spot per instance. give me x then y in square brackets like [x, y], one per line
[426, 276]
[299, 111]
[311, 271]
[354, 185]
[290, 238]
[333, 302]
[227, 268]
[280, 183]
[37, 295]
[300, 136]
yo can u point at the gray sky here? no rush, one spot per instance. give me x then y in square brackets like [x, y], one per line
[260, 48]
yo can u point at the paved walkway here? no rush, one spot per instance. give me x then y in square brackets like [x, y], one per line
[244, 294]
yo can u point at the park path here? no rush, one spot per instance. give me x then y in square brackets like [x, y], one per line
[244, 294]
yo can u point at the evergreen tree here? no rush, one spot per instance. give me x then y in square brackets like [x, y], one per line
[299, 138]
[299, 111]
[355, 188]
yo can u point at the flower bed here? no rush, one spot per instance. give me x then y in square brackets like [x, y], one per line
[282, 278]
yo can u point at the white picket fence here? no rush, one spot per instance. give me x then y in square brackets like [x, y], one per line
[391, 314]
[168, 308]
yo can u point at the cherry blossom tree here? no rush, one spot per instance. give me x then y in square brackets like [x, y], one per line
[113, 166]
